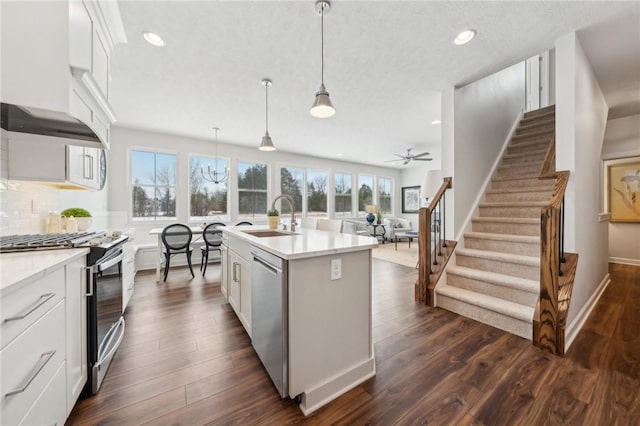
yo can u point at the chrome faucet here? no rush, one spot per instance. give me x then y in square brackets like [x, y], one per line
[293, 210]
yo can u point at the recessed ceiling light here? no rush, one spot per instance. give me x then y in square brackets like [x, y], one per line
[153, 39]
[465, 37]
[339, 154]
[435, 122]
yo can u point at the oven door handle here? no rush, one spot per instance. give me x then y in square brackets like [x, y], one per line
[110, 263]
[101, 358]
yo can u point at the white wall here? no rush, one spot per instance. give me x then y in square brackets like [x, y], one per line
[622, 139]
[484, 114]
[123, 139]
[581, 113]
[417, 176]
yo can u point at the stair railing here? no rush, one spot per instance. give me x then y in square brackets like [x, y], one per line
[432, 220]
[545, 324]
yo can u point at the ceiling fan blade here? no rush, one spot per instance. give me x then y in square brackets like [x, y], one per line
[421, 155]
[423, 159]
[392, 161]
[401, 156]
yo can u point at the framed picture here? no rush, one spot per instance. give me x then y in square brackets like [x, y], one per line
[410, 199]
[623, 190]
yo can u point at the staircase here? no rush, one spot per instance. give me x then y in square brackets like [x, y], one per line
[496, 275]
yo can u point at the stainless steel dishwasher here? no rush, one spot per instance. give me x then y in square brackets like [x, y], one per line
[269, 318]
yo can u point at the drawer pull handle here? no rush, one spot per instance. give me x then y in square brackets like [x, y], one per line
[41, 301]
[44, 359]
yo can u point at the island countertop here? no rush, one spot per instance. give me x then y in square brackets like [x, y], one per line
[19, 268]
[303, 243]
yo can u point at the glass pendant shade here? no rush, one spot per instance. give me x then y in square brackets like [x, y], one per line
[267, 143]
[322, 106]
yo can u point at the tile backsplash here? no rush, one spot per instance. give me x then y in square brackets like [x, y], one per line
[24, 207]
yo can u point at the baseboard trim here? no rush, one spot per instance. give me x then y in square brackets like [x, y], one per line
[624, 261]
[576, 325]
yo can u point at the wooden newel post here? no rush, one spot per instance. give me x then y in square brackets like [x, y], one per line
[424, 261]
[545, 328]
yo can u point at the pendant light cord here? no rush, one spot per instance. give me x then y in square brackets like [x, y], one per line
[322, 43]
[266, 107]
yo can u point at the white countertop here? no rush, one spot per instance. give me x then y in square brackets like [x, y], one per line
[304, 242]
[18, 268]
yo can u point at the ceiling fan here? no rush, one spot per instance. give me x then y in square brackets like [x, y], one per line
[408, 157]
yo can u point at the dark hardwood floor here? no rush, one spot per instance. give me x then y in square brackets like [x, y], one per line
[187, 360]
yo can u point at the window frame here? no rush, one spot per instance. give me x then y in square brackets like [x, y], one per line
[351, 212]
[391, 189]
[130, 184]
[199, 219]
[238, 189]
[374, 191]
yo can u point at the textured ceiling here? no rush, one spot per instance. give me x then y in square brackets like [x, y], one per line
[385, 65]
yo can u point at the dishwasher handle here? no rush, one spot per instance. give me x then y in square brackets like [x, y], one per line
[269, 267]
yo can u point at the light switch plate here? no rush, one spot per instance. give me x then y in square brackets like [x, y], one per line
[336, 269]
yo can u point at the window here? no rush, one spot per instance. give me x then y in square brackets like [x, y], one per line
[291, 183]
[207, 200]
[153, 179]
[365, 192]
[252, 189]
[384, 195]
[343, 195]
[317, 193]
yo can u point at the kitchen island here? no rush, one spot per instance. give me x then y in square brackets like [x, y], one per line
[323, 317]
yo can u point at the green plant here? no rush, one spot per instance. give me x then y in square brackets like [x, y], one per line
[76, 212]
[273, 212]
[379, 216]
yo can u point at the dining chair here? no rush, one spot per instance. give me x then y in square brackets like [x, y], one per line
[243, 223]
[212, 237]
[333, 225]
[176, 239]
[309, 223]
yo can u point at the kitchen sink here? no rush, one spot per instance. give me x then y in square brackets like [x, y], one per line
[269, 233]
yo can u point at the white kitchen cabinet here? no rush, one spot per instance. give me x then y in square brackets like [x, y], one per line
[66, 70]
[76, 330]
[128, 272]
[239, 280]
[224, 265]
[66, 166]
[43, 359]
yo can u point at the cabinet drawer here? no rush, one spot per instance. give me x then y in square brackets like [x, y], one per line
[49, 409]
[24, 306]
[29, 362]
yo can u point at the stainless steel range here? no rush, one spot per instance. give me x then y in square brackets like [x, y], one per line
[105, 322]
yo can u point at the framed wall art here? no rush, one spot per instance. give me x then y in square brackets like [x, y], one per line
[410, 199]
[623, 190]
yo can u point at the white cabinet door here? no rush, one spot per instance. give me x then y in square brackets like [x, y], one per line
[235, 275]
[76, 165]
[225, 271]
[76, 331]
[128, 273]
[80, 35]
[245, 294]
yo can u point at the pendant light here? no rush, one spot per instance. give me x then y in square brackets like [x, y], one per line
[267, 143]
[322, 106]
[214, 175]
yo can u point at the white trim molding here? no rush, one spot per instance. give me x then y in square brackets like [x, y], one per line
[624, 261]
[576, 325]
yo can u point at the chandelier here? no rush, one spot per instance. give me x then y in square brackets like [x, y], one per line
[214, 175]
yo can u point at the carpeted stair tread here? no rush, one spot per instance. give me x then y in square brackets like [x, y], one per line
[540, 111]
[519, 190]
[501, 306]
[522, 284]
[500, 257]
[515, 220]
[536, 143]
[543, 116]
[525, 239]
[535, 181]
[523, 155]
[515, 204]
[546, 123]
[538, 133]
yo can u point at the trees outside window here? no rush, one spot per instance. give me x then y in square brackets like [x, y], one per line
[252, 190]
[153, 179]
[291, 183]
[208, 201]
[384, 195]
[317, 182]
[365, 192]
[343, 194]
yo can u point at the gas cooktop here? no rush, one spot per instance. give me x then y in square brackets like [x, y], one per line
[20, 243]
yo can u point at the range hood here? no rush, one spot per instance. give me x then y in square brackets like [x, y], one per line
[37, 121]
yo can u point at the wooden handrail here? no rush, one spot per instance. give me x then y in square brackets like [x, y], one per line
[546, 319]
[423, 290]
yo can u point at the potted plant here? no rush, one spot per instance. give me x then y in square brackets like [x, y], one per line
[82, 217]
[379, 217]
[274, 218]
